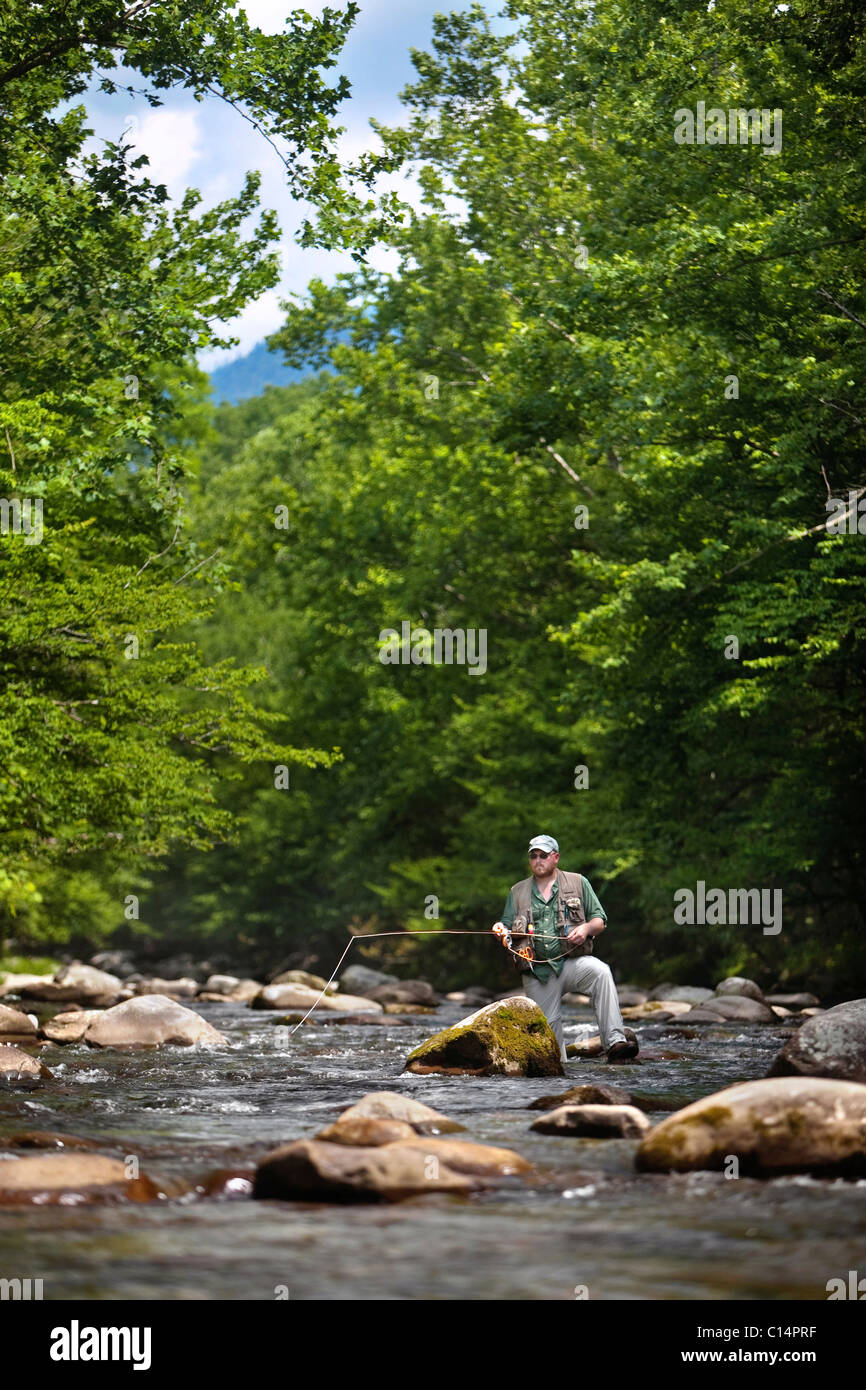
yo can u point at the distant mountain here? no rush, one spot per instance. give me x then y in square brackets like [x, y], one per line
[248, 376]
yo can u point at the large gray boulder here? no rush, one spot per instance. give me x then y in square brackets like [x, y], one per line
[510, 1037]
[831, 1044]
[151, 1021]
[774, 1126]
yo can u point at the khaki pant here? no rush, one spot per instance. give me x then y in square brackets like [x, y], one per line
[579, 975]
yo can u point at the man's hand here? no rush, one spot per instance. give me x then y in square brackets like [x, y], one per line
[577, 935]
[499, 929]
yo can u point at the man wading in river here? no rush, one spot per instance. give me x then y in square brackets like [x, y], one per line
[553, 916]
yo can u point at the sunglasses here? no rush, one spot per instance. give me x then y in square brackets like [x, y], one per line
[541, 854]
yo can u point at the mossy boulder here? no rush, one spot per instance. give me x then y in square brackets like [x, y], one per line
[778, 1125]
[510, 1037]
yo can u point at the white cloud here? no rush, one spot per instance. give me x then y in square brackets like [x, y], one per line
[171, 139]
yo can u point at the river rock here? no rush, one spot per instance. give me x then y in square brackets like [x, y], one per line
[315, 1170]
[831, 1044]
[389, 1105]
[364, 1132]
[686, 994]
[576, 1001]
[396, 1009]
[583, 1095]
[737, 985]
[177, 989]
[661, 991]
[474, 995]
[736, 1007]
[19, 1069]
[594, 1121]
[70, 1180]
[230, 987]
[790, 1124]
[630, 996]
[47, 1139]
[118, 963]
[301, 977]
[810, 1013]
[357, 979]
[15, 1024]
[657, 1010]
[151, 1021]
[11, 983]
[793, 1001]
[511, 1037]
[300, 997]
[69, 1027]
[591, 1047]
[405, 992]
[83, 984]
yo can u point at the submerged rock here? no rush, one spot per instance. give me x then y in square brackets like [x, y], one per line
[774, 1126]
[511, 1037]
[831, 1044]
[151, 1021]
[594, 1121]
[19, 1069]
[47, 1139]
[70, 1180]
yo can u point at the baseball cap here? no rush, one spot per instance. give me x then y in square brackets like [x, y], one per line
[545, 842]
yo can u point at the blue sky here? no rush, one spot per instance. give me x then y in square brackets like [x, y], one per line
[208, 146]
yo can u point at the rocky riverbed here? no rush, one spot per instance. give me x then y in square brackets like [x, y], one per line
[196, 1121]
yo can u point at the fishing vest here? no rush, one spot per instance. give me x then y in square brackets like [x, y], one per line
[569, 913]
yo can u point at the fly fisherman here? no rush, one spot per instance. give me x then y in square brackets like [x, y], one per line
[550, 919]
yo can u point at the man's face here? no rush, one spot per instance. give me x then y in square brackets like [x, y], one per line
[541, 863]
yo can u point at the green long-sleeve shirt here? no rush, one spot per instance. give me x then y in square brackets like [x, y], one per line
[545, 939]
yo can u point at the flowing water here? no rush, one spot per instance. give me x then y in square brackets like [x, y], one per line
[589, 1221]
